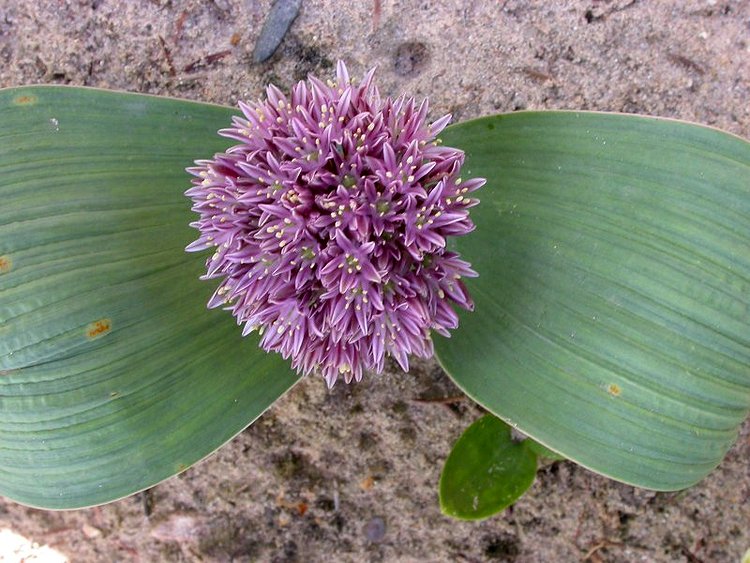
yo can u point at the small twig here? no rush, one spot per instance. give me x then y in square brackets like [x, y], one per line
[61, 530]
[439, 400]
[685, 62]
[536, 74]
[579, 528]
[147, 502]
[179, 24]
[601, 545]
[167, 56]
[187, 79]
[128, 548]
[590, 16]
[624, 6]
[376, 8]
[213, 57]
[691, 557]
[207, 60]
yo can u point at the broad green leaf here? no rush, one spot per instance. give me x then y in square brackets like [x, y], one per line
[611, 321]
[541, 451]
[114, 374]
[486, 471]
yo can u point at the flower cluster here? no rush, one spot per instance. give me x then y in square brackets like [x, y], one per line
[328, 223]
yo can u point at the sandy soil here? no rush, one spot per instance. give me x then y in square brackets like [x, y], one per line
[351, 474]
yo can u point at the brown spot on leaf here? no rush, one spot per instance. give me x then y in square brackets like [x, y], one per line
[98, 328]
[6, 264]
[614, 389]
[25, 100]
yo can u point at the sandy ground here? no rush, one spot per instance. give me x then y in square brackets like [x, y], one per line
[351, 474]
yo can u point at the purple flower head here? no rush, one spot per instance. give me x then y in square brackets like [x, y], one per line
[329, 222]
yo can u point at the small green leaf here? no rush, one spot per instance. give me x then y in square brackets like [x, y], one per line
[542, 451]
[485, 472]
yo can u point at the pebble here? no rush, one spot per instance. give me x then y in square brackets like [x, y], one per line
[375, 530]
[90, 531]
[278, 21]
